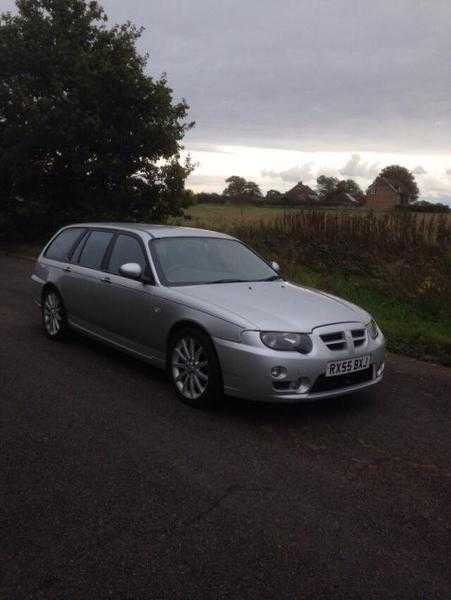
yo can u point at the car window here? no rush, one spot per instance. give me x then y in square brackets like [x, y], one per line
[76, 251]
[62, 245]
[94, 249]
[127, 249]
[199, 260]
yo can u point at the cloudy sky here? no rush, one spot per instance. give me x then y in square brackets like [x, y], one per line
[282, 90]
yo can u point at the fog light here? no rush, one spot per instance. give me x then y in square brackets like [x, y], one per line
[278, 372]
[301, 385]
[304, 385]
[380, 369]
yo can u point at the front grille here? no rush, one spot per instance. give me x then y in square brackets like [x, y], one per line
[332, 337]
[334, 341]
[358, 336]
[329, 384]
[356, 333]
[337, 339]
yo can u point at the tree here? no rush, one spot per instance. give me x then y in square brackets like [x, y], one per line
[349, 186]
[326, 187]
[241, 190]
[236, 187]
[329, 187]
[252, 190]
[403, 180]
[84, 132]
[274, 196]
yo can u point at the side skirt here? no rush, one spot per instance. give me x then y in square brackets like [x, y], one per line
[141, 354]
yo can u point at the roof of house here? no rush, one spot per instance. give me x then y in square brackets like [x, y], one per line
[300, 189]
[385, 181]
[346, 196]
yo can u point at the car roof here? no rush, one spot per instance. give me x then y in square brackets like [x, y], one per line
[158, 231]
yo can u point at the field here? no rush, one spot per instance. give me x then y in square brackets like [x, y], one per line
[397, 266]
[226, 215]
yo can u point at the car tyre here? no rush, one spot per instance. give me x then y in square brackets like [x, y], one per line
[54, 316]
[194, 369]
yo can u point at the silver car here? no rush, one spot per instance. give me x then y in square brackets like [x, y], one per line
[207, 308]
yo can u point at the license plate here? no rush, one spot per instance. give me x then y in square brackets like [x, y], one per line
[341, 367]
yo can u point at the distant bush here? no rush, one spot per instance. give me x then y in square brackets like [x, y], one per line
[206, 198]
[425, 207]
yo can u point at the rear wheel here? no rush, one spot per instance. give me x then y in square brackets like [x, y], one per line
[194, 368]
[54, 315]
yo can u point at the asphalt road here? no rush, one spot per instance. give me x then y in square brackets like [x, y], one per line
[109, 487]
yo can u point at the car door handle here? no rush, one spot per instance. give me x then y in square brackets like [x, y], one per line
[105, 279]
[67, 269]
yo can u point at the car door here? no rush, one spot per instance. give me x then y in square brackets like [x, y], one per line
[128, 302]
[83, 284]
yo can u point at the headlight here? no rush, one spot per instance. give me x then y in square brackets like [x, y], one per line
[300, 342]
[373, 329]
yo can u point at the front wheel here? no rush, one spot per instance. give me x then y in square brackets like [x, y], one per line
[54, 315]
[194, 368]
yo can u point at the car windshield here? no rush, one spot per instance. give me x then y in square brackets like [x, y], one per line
[201, 260]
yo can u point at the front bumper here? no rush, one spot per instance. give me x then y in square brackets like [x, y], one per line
[246, 369]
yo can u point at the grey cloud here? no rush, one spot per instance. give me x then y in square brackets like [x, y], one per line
[419, 170]
[199, 147]
[356, 167]
[207, 180]
[436, 187]
[299, 74]
[295, 174]
[317, 75]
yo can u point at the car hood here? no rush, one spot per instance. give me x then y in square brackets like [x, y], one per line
[277, 305]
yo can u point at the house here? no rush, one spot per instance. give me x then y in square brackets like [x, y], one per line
[301, 194]
[342, 198]
[384, 195]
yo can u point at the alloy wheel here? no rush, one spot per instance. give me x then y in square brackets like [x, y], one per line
[53, 314]
[189, 365]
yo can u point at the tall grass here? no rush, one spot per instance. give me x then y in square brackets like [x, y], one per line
[402, 254]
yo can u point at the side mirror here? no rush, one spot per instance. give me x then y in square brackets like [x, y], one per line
[275, 266]
[131, 270]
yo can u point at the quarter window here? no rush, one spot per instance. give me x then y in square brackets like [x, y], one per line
[94, 249]
[62, 245]
[127, 249]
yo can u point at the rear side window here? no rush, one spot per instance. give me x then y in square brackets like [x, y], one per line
[127, 249]
[62, 245]
[94, 249]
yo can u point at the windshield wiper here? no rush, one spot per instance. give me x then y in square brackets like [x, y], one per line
[271, 278]
[228, 281]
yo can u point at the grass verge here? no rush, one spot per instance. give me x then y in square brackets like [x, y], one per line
[409, 329]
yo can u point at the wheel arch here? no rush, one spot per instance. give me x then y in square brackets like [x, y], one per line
[184, 324]
[47, 287]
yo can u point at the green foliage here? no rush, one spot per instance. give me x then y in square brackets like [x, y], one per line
[207, 198]
[326, 187]
[274, 197]
[84, 132]
[241, 190]
[349, 186]
[427, 207]
[403, 180]
[329, 187]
